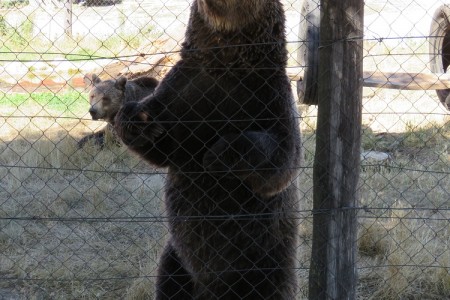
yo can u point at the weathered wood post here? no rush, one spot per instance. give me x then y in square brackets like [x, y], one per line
[336, 165]
[68, 18]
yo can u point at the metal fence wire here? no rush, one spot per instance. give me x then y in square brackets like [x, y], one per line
[216, 215]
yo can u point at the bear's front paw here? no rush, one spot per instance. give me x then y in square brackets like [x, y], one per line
[214, 162]
[135, 126]
[222, 158]
[235, 154]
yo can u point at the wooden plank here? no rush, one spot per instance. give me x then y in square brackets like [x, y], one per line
[338, 140]
[406, 81]
[390, 80]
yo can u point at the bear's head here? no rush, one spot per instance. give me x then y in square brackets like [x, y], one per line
[105, 97]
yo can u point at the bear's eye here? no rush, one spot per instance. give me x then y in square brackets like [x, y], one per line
[106, 100]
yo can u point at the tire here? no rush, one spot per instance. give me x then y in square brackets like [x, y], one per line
[308, 52]
[440, 48]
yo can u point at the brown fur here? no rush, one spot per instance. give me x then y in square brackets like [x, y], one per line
[231, 14]
[224, 123]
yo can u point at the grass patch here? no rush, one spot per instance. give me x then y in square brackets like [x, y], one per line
[405, 256]
[13, 4]
[19, 44]
[67, 104]
[403, 249]
[403, 242]
[46, 181]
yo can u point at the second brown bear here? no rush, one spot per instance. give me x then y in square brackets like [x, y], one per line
[107, 96]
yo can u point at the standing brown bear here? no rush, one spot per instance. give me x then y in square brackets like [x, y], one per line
[224, 123]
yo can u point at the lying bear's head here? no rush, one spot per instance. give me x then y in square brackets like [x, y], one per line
[105, 97]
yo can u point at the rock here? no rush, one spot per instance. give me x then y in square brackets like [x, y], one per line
[375, 155]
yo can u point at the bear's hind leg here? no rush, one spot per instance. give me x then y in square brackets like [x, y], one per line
[250, 284]
[173, 281]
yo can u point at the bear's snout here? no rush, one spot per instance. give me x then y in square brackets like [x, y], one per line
[94, 113]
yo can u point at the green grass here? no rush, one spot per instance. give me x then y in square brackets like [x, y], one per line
[13, 4]
[19, 44]
[70, 103]
[428, 136]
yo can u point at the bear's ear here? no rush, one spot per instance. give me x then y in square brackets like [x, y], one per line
[120, 83]
[91, 79]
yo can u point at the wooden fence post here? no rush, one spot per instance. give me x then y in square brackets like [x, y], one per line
[336, 165]
[68, 18]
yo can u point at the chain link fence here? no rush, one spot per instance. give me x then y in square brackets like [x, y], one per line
[86, 220]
